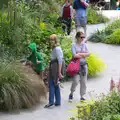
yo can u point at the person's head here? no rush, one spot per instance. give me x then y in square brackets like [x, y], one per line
[79, 37]
[53, 40]
[32, 47]
[67, 1]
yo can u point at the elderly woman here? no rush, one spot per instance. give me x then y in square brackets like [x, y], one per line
[56, 70]
[80, 51]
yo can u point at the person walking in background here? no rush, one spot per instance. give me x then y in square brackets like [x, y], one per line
[118, 5]
[113, 4]
[56, 71]
[36, 60]
[66, 14]
[80, 51]
[80, 14]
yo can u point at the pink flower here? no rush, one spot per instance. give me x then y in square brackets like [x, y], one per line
[118, 86]
[112, 84]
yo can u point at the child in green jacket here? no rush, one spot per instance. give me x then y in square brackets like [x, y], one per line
[36, 60]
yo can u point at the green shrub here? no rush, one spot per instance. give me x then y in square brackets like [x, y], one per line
[109, 35]
[112, 117]
[114, 38]
[112, 27]
[105, 108]
[98, 36]
[66, 47]
[94, 18]
[17, 90]
[95, 65]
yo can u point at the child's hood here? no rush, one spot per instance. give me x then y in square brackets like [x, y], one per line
[33, 47]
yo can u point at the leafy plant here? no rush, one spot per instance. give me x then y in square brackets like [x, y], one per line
[95, 65]
[66, 47]
[94, 18]
[105, 108]
[109, 35]
[112, 27]
[114, 38]
[112, 117]
[98, 36]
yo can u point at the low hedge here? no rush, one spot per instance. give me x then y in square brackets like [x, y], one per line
[109, 35]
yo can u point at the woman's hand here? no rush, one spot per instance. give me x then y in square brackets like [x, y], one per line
[60, 76]
[84, 55]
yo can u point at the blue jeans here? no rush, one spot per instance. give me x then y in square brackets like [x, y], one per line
[54, 91]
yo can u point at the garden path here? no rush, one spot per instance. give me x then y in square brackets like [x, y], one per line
[111, 56]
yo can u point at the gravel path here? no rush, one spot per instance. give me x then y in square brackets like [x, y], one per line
[98, 84]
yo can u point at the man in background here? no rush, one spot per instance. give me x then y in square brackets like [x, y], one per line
[80, 15]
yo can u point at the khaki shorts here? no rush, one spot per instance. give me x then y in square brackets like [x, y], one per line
[81, 21]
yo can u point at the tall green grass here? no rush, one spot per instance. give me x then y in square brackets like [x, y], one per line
[17, 91]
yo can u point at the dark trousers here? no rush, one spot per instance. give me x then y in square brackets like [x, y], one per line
[54, 92]
[67, 22]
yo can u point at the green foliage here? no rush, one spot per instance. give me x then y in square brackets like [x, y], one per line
[98, 36]
[114, 38]
[109, 35]
[95, 65]
[3, 2]
[21, 28]
[66, 47]
[16, 89]
[112, 117]
[94, 18]
[112, 27]
[105, 108]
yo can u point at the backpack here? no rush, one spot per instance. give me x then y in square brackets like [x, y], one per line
[77, 4]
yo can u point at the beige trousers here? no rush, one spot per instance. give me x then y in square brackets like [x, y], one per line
[82, 79]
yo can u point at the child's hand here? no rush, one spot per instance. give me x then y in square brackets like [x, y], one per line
[28, 63]
[38, 62]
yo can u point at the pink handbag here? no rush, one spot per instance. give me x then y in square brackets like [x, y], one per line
[73, 67]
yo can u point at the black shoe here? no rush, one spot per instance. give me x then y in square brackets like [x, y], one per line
[48, 105]
[70, 98]
[57, 105]
[82, 99]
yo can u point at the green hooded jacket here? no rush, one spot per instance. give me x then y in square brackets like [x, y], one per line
[34, 57]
